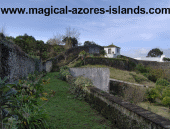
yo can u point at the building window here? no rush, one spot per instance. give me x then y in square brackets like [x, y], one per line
[109, 51]
[117, 50]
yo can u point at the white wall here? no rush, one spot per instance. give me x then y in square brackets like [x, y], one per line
[158, 59]
[113, 54]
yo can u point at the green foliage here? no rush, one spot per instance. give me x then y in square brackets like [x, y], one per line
[64, 71]
[137, 78]
[151, 95]
[27, 110]
[58, 48]
[77, 87]
[31, 117]
[162, 82]
[82, 53]
[119, 56]
[160, 89]
[166, 101]
[7, 101]
[166, 59]
[166, 92]
[79, 63]
[155, 52]
[70, 42]
[141, 68]
[88, 43]
[82, 81]
[155, 74]
[132, 65]
[102, 52]
[44, 55]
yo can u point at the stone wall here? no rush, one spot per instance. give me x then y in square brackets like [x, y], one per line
[15, 64]
[116, 63]
[117, 87]
[99, 76]
[124, 115]
[155, 65]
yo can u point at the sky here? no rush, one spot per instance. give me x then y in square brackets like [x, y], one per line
[135, 34]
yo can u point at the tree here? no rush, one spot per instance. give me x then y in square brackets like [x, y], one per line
[73, 33]
[26, 42]
[88, 43]
[103, 52]
[156, 52]
[56, 40]
[70, 42]
[40, 47]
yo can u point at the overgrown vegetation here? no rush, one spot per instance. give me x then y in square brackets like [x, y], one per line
[20, 103]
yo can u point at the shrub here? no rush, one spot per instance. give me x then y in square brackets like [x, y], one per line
[77, 85]
[79, 64]
[166, 101]
[6, 102]
[155, 74]
[141, 68]
[160, 88]
[33, 117]
[132, 65]
[134, 94]
[64, 71]
[103, 52]
[82, 53]
[151, 95]
[166, 59]
[162, 82]
[166, 92]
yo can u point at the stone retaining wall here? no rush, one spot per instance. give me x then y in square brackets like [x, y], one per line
[15, 64]
[122, 114]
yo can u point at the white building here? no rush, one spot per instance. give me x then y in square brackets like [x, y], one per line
[112, 51]
[158, 59]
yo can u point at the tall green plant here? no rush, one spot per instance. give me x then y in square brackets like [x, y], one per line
[6, 101]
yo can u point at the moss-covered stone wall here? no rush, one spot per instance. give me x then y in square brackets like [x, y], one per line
[122, 114]
[14, 63]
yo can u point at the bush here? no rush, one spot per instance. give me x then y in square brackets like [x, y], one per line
[166, 92]
[64, 71]
[76, 87]
[160, 89]
[7, 101]
[141, 68]
[155, 74]
[166, 101]
[152, 94]
[132, 65]
[162, 82]
[79, 63]
[103, 52]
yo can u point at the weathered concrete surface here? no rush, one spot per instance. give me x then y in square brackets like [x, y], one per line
[99, 76]
[48, 66]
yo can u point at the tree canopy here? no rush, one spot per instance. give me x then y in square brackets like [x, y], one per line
[88, 43]
[156, 52]
[70, 42]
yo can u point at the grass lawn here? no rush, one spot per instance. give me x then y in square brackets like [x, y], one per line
[156, 108]
[66, 112]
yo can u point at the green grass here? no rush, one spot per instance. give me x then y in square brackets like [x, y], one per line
[156, 108]
[66, 112]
